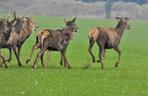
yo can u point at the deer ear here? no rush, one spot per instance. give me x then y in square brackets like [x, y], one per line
[126, 18]
[118, 18]
[65, 21]
[74, 19]
[32, 18]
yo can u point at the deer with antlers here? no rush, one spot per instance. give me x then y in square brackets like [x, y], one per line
[22, 29]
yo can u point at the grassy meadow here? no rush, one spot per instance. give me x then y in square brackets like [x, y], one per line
[129, 79]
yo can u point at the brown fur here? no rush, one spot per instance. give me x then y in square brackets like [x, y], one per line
[93, 33]
[23, 28]
[107, 38]
[5, 31]
[54, 40]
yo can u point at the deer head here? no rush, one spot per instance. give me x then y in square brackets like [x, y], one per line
[123, 21]
[71, 24]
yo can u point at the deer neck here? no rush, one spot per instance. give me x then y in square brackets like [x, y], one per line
[68, 33]
[120, 29]
[28, 29]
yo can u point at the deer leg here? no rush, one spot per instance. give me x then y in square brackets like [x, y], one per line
[36, 60]
[62, 55]
[101, 51]
[61, 61]
[42, 57]
[43, 49]
[91, 43]
[40, 54]
[3, 61]
[65, 60]
[119, 54]
[19, 50]
[18, 54]
[104, 55]
[32, 50]
[10, 56]
[48, 57]
[17, 57]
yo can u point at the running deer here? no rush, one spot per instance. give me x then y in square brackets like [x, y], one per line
[54, 40]
[5, 31]
[107, 38]
[22, 29]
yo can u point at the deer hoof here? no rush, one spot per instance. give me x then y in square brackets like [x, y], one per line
[61, 63]
[27, 61]
[69, 67]
[98, 61]
[20, 64]
[33, 66]
[116, 65]
[102, 67]
[6, 66]
[43, 66]
[93, 61]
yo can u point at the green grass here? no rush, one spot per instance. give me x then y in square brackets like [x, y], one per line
[130, 79]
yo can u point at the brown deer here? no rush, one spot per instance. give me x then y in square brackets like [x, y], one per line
[5, 31]
[23, 27]
[54, 40]
[107, 38]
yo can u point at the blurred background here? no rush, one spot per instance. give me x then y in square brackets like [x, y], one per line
[135, 9]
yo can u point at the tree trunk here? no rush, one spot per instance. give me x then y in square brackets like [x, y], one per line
[108, 8]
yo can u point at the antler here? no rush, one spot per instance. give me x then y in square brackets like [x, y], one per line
[119, 17]
[14, 15]
[127, 18]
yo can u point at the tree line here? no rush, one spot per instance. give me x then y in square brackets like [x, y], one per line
[109, 4]
[136, 1]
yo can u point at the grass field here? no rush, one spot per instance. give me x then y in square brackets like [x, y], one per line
[129, 79]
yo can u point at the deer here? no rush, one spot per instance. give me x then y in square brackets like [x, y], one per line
[22, 29]
[5, 31]
[107, 38]
[54, 40]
